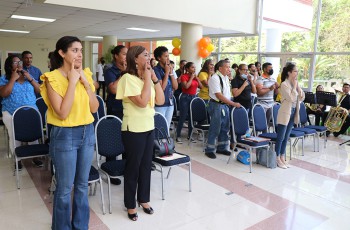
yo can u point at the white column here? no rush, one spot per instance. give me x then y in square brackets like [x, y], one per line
[107, 42]
[273, 44]
[87, 59]
[190, 35]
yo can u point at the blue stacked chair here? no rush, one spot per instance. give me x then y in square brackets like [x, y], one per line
[240, 126]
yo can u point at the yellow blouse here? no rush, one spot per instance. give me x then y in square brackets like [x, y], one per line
[80, 113]
[204, 91]
[135, 118]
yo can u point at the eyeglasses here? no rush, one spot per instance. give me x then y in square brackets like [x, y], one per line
[244, 69]
[17, 62]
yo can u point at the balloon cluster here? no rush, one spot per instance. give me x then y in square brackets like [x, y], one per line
[177, 44]
[205, 47]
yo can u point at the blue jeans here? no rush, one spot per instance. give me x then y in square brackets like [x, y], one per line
[219, 127]
[71, 150]
[167, 112]
[184, 113]
[283, 133]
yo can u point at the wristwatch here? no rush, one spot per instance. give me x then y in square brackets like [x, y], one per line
[155, 82]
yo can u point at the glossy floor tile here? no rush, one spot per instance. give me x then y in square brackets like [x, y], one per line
[313, 194]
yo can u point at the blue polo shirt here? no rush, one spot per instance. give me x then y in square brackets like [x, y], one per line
[111, 75]
[168, 91]
[34, 72]
[22, 94]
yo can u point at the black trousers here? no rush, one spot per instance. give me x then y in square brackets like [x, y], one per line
[103, 87]
[137, 174]
[345, 126]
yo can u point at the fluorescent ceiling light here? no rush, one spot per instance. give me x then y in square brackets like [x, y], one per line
[94, 37]
[15, 31]
[142, 29]
[33, 18]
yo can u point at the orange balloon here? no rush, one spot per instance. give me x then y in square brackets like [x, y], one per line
[203, 43]
[176, 51]
[203, 53]
[208, 40]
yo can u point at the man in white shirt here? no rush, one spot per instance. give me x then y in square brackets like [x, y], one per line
[220, 100]
[100, 78]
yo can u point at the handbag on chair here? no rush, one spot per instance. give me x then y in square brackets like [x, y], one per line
[163, 144]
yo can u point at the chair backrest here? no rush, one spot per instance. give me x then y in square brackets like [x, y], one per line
[96, 118]
[198, 111]
[259, 119]
[101, 107]
[303, 114]
[239, 121]
[160, 125]
[275, 109]
[27, 125]
[108, 136]
[42, 109]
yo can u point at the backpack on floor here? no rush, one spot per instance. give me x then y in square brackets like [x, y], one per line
[266, 157]
[244, 157]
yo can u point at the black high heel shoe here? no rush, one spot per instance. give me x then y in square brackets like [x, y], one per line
[149, 210]
[133, 216]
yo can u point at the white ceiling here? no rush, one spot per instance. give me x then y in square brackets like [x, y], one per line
[83, 22]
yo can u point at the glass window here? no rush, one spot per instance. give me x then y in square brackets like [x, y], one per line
[332, 71]
[239, 44]
[334, 27]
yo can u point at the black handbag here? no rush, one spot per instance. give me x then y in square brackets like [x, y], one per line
[163, 144]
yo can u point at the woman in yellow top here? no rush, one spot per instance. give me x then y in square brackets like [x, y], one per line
[139, 96]
[204, 75]
[69, 94]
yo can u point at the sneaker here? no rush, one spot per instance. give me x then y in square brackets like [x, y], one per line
[224, 152]
[178, 140]
[115, 181]
[19, 166]
[192, 140]
[37, 163]
[211, 155]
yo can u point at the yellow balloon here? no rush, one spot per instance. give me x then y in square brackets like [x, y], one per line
[176, 42]
[210, 48]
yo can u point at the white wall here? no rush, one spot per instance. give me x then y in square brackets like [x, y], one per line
[40, 48]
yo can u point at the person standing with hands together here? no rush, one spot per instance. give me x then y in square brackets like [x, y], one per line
[242, 87]
[69, 94]
[288, 114]
[190, 83]
[140, 91]
[167, 80]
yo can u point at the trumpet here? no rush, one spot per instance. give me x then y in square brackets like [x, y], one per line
[336, 116]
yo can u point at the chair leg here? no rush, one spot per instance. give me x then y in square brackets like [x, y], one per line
[232, 153]
[325, 138]
[189, 176]
[17, 174]
[290, 149]
[109, 195]
[302, 146]
[251, 160]
[162, 178]
[102, 197]
[167, 176]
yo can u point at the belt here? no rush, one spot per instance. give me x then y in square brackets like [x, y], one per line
[219, 102]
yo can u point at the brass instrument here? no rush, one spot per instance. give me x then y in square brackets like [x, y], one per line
[312, 107]
[336, 116]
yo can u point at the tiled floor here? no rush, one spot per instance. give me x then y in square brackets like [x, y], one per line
[313, 194]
